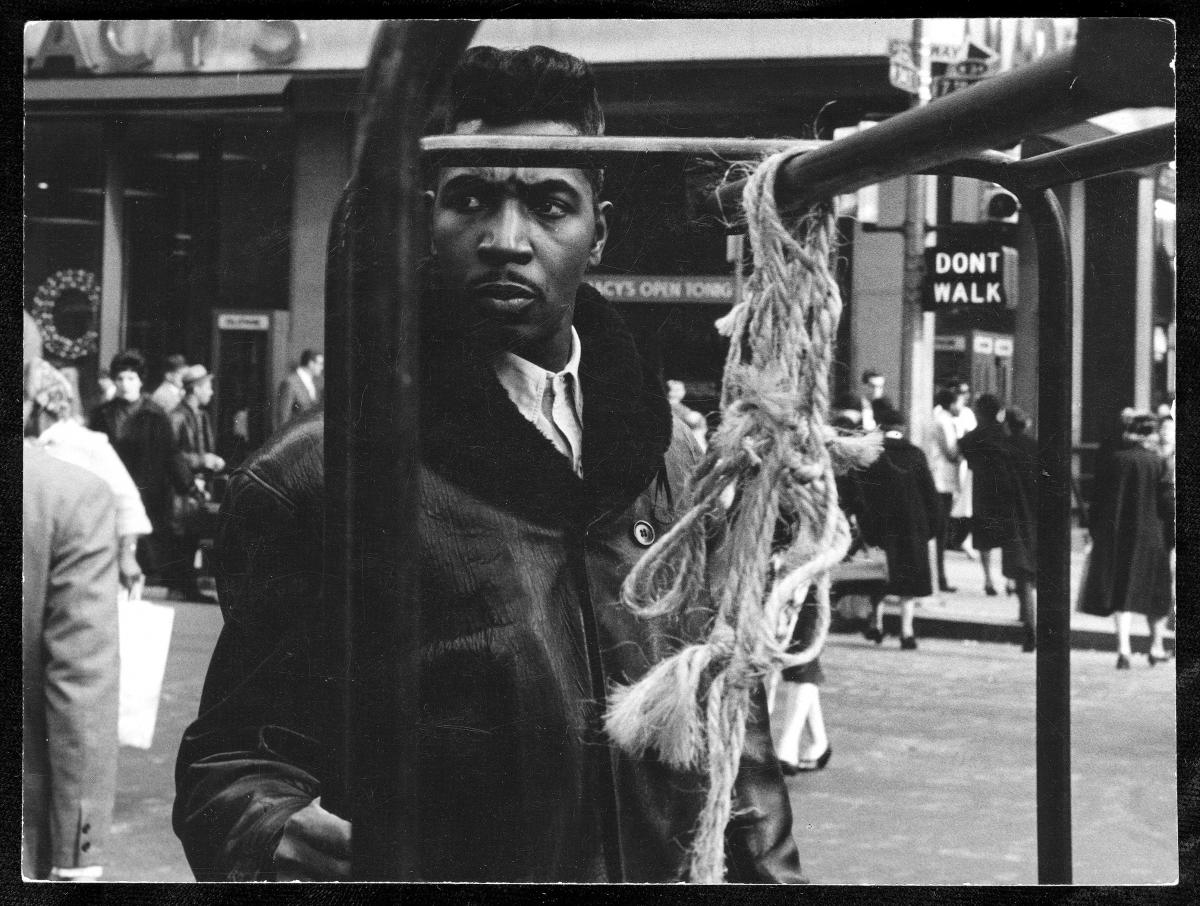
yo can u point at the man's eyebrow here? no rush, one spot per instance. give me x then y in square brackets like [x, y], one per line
[485, 177]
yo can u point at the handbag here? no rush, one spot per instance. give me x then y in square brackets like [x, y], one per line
[863, 564]
[145, 642]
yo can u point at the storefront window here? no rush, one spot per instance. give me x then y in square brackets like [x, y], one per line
[63, 242]
[208, 209]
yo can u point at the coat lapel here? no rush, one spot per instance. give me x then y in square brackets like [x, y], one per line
[473, 434]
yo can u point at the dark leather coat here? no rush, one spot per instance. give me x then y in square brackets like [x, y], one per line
[521, 564]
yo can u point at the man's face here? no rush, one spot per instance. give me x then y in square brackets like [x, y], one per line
[204, 392]
[873, 387]
[129, 385]
[316, 366]
[513, 244]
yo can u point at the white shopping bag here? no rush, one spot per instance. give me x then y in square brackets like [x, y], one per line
[145, 634]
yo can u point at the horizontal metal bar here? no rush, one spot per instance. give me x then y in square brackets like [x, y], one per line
[592, 151]
[1143, 148]
[1116, 63]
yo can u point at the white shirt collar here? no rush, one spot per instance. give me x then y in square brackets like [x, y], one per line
[525, 384]
[307, 380]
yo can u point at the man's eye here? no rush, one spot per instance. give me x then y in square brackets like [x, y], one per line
[550, 207]
[467, 202]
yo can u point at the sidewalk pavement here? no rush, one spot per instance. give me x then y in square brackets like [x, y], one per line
[969, 614]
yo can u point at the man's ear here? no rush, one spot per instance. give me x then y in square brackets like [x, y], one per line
[430, 197]
[601, 233]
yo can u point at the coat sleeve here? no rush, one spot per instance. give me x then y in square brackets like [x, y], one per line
[176, 465]
[929, 495]
[254, 756]
[80, 645]
[759, 847]
[185, 440]
[285, 401]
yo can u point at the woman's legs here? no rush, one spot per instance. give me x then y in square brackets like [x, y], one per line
[793, 702]
[1027, 600]
[815, 724]
[1124, 621]
[985, 558]
[1158, 627]
[908, 639]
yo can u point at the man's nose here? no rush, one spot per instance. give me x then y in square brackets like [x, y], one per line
[506, 237]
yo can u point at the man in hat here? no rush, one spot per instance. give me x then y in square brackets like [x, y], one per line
[550, 462]
[194, 435]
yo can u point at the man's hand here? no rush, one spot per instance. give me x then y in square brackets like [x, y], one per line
[214, 462]
[315, 846]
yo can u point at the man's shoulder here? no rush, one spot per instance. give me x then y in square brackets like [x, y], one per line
[291, 462]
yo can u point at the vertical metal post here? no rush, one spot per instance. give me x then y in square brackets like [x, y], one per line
[915, 326]
[1054, 539]
[373, 630]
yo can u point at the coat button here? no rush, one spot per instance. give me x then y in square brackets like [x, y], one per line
[87, 828]
[86, 845]
[643, 533]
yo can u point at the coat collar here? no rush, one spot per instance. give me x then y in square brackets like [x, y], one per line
[473, 435]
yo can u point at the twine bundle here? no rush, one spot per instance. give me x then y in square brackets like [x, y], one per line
[771, 463]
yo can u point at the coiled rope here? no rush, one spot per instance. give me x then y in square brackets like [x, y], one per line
[771, 462]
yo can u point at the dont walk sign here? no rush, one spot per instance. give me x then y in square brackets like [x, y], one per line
[970, 275]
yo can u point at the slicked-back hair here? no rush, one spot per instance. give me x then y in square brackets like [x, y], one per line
[308, 356]
[507, 87]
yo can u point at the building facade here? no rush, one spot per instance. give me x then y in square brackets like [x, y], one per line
[181, 175]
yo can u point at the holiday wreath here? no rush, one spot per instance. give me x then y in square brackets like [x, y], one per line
[44, 302]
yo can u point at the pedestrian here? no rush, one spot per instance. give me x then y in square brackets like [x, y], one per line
[871, 389]
[53, 422]
[140, 431]
[796, 713]
[1019, 550]
[941, 449]
[961, 510]
[982, 448]
[539, 419]
[1130, 568]
[70, 669]
[169, 393]
[194, 436]
[901, 513]
[301, 389]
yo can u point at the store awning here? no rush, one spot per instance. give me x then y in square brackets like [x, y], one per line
[157, 92]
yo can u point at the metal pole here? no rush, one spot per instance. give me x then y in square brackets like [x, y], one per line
[915, 327]
[372, 450]
[1054, 538]
[1116, 63]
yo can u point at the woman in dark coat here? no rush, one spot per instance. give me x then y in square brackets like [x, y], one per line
[141, 433]
[985, 452]
[1130, 567]
[900, 513]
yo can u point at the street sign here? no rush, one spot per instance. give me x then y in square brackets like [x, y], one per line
[904, 76]
[937, 53]
[970, 274]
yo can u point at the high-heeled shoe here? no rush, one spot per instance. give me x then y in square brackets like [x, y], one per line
[814, 764]
[1122, 662]
[908, 643]
[788, 768]
[873, 635]
[990, 591]
[1158, 658]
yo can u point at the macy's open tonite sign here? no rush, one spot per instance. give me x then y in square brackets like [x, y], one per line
[969, 275]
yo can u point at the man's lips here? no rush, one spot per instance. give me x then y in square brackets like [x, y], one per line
[503, 296]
